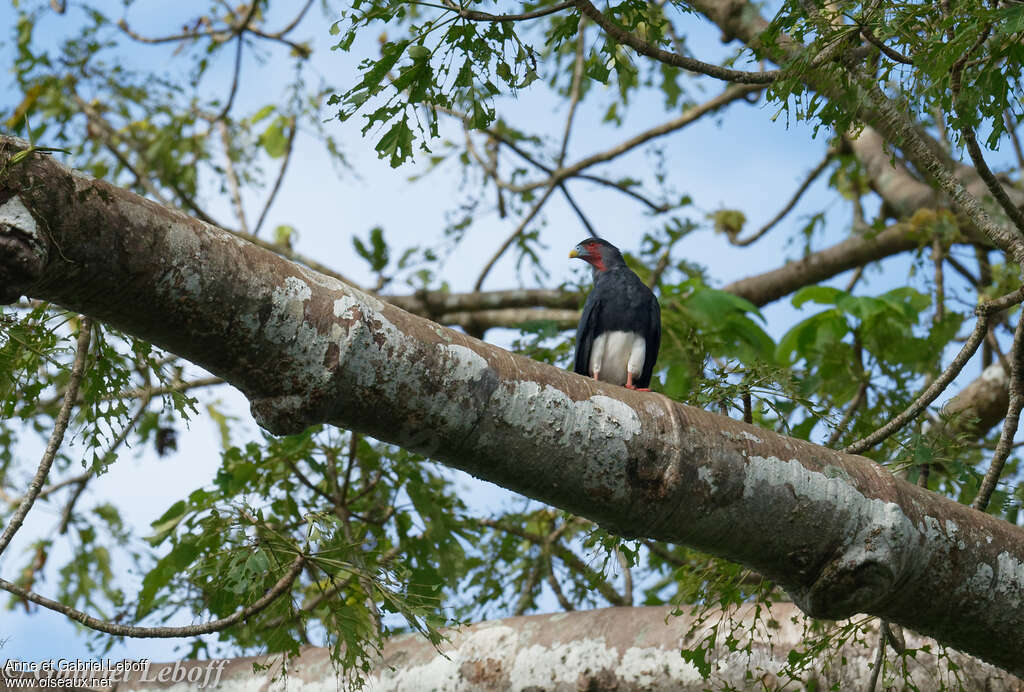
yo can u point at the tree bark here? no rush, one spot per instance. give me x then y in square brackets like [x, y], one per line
[608, 649]
[841, 534]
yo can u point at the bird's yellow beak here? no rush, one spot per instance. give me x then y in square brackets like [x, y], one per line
[573, 253]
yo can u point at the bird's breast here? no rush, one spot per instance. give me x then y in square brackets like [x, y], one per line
[616, 352]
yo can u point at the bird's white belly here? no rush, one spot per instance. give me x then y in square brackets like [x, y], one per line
[615, 352]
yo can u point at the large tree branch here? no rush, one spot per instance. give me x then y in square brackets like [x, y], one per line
[855, 251]
[839, 532]
[740, 19]
[612, 649]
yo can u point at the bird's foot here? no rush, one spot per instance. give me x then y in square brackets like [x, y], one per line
[638, 389]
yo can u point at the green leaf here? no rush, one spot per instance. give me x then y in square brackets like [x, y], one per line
[396, 144]
[825, 295]
[167, 568]
[274, 140]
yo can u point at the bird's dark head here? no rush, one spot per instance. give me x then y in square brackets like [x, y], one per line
[601, 254]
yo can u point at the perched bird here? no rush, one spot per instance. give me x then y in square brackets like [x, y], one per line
[620, 329]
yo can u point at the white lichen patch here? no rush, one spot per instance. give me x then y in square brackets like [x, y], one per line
[544, 667]
[994, 373]
[466, 364]
[981, 580]
[597, 429]
[876, 531]
[1010, 579]
[750, 437]
[14, 213]
[362, 348]
[704, 474]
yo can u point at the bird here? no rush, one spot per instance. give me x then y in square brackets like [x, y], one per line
[619, 333]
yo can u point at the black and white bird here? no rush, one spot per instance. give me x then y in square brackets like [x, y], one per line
[620, 330]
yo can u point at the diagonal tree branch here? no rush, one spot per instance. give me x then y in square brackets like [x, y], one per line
[60, 425]
[841, 534]
[652, 51]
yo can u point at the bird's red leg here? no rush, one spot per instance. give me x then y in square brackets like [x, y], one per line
[629, 383]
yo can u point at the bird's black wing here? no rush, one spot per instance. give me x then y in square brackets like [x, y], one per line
[652, 342]
[586, 332]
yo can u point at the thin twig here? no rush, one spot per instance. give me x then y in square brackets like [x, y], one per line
[676, 60]
[851, 409]
[880, 45]
[879, 658]
[564, 602]
[512, 237]
[118, 629]
[239, 32]
[1010, 423]
[60, 425]
[731, 93]
[229, 170]
[289, 146]
[491, 169]
[567, 556]
[1011, 130]
[938, 255]
[985, 312]
[475, 16]
[627, 577]
[811, 177]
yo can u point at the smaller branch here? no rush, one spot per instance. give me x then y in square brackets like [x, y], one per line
[552, 580]
[857, 274]
[1011, 130]
[174, 387]
[529, 586]
[51, 489]
[971, 140]
[1010, 423]
[515, 234]
[727, 96]
[880, 45]
[652, 51]
[69, 507]
[60, 425]
[237, 70]
[993, 184]
[120, 630]
[851, 409]
[576, 208]
[811, 177]
[287, 29]
[985, 311]
[510, 317]
[475, 16]
[963, 271]
[665, 555]
[490, 169]
[659, 268]
[574, 93]
[280, 177]
[84, 478]
[229, 169]
[627, 577]
[567, 556]
[879, 659]
[938, 255]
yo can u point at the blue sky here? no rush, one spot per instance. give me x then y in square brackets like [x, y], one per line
[741, 159]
